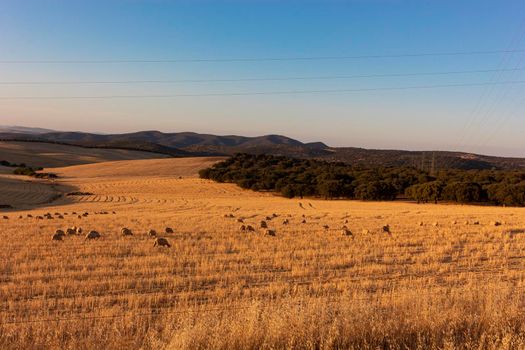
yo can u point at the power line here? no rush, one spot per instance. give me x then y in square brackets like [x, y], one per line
[259, 59]
[328, 77]
[256, 93]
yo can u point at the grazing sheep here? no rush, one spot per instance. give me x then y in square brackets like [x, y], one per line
[56, 214]
[6, 217]
[168, 230]
[85, 214]
[264, 224]
[71, 231]
[250, 228]
[346, 221]
[79, 230]
[60, 217]
[161, 242]
[152, 233]
[286, 222]
[80, 216]
[229, 215]
[40, 217]
[126, 232]
[454, 222]
[29, 215]
[93, 235]
[20, 217]
[386, 228]
[268, 218]
[495, 223]
[60, 233]
[347, 232]
[243, 228]
[74, 213]
[275, 215]
[475, 223]
[466, 222]
[303, 222]
[49, 217]
[114, 213]
[240, 220]
[270, 233]
[326, 227]
[435, 224]
[420, 223]
[57, 237]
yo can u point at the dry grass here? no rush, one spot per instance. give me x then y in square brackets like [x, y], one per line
[445, 286]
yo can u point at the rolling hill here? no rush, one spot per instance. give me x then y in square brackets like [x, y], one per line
[41, 154]
[189, 144]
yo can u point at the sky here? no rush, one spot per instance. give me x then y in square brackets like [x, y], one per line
[361, 73]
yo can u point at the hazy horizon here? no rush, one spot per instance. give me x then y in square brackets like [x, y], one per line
[263, 67]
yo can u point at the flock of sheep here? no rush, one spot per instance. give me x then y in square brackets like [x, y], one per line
[159, 241]
[263, 224]
[163, 242]
[345, 231]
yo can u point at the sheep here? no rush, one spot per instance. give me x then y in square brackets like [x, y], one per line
[475, 223]
[152, 233]
[85, 214]
[347, 232]
[20, 217]
[286, 222]
[40, 217]
[240, 220]
[495, 223]
[29, 215]
[6, 217]
[303, 222]
[250, 228]
[326, 227]
[60, 217]
[57, 237]
[60, 233]
[454, 222]
[346, 221]
[270, 233]
[49, 217]
[71, 231]
[275, 215]
[264, 224]
[420, 223]
[79, 230]
[73, 213]
[435, 224]
[126, 232]
[79, 217]
[268, 218]
[242, 228]
[168, 230]
[386, 228]
[161, 242]
[93, 235]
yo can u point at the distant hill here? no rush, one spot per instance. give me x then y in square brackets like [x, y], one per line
[47, 155]
[188, 144]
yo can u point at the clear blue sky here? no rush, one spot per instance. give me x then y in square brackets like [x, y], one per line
[485, 119]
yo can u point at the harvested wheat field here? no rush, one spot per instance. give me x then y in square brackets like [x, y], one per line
[438, 276]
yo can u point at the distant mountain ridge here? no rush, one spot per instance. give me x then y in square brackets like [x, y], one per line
[183, 144]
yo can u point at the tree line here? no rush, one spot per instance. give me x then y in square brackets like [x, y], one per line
[292, 177]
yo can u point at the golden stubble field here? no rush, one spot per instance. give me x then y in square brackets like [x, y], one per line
[446, 277]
